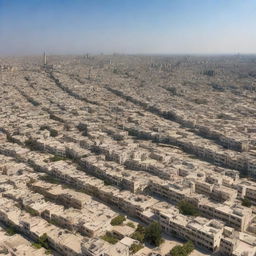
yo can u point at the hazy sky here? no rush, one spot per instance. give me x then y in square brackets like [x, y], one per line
[127, 26]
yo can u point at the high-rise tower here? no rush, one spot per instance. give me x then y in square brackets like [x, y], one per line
[45, 59]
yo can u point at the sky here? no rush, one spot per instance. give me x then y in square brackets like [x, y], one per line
[30, 27]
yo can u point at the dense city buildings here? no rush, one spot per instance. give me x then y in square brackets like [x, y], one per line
[92, 148]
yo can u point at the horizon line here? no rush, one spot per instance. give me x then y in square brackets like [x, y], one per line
[125, 54]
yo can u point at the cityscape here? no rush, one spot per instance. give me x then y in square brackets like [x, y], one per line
[95, 147]
[128, 128]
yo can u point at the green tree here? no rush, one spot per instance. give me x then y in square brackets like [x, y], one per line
[182, 250]
[37, 245]
[48, 252]
[140, 228]
[53, 133]
[153, 233]
[109, 238]
[31, 144]
[43, 240]
[246, 202]
[130, 224]
[178, 250]
[117, 220]
[187, 208]
[139, 234]
[10, 231]
[189, 247]
[135, 247]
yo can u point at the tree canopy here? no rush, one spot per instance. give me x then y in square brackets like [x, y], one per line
[182, 250]
[187, 208]
[246, 202]
[153, 233]
[117, 220]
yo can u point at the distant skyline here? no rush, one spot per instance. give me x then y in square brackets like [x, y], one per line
[30, 27]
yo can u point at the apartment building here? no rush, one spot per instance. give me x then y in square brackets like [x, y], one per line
[98, 247]
[237, 243]
[235, 216]
[204, 233]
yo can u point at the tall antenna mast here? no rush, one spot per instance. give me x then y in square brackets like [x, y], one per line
[45, 59]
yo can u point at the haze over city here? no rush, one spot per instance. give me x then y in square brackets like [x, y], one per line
[128, 128]
[129, 26]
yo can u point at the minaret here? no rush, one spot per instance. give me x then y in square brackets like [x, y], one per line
[45, 59]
